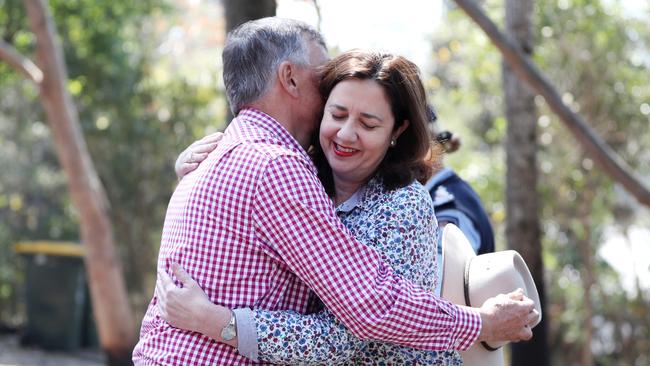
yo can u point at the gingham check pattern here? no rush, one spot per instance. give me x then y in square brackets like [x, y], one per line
[254, 227]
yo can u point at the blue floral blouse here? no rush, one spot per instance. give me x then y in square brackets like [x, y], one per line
[401, 225]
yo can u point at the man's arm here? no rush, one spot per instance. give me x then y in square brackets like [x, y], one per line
[296, 221]
[404, 230]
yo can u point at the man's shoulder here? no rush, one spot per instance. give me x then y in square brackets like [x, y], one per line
[261, 143]
[265, 142]
[273, 149]
[269, 155]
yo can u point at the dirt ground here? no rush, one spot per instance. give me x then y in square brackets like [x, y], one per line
[12, 354]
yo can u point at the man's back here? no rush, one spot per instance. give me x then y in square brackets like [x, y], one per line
[210, 230]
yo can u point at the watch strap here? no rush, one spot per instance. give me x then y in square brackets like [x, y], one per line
[229, 332]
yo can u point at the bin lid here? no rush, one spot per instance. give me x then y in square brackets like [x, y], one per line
[60, 248]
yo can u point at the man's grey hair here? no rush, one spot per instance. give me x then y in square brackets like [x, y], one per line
[255, 49]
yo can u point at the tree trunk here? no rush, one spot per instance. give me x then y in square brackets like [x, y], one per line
[108, 292]
[522, 207]
[587, 271]
[241, 11]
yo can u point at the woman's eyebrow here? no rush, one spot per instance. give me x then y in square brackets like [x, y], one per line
[338, 106]
[372, 116]
[363, 114]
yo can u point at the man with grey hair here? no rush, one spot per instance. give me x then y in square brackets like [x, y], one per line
[253, 226]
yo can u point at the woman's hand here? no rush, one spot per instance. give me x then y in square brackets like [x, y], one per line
[190, 158]
[188, 307]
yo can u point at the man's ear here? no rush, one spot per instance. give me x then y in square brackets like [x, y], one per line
[287, 73]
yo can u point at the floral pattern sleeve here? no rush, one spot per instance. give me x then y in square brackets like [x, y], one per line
[287, 337]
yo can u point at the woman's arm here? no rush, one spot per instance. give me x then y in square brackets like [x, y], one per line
[288, 337]
[281, 336]
[188, 307]
[194, 154]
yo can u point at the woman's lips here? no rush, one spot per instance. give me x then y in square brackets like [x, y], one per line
[343, 151]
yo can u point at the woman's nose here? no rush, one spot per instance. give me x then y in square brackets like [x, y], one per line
[347, 132]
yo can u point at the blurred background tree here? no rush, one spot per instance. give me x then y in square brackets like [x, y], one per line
[138, 107]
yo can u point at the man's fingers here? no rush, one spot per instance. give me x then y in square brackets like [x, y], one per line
[517, 294]
[526, 334]
[182, 276]
[533, 318]
[528, 303]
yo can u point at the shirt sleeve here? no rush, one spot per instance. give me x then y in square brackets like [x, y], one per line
[295, 221]
[246, 334]
[287, 337]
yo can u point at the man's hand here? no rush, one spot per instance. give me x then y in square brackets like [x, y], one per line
[508, 317]
[190, 158]
[188, 307]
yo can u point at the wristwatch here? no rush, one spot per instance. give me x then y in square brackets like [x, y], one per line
[229, 332]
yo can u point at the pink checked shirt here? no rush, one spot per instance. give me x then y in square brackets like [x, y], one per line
[254, 227]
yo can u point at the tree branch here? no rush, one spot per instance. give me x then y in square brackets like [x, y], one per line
[527, 71]
[21, 63]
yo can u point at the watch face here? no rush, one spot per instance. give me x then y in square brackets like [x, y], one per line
[229, 332]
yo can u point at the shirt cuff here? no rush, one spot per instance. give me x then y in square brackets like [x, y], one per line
[246, 334]
[468, 328]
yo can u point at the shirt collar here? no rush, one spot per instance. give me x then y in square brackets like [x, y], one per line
[353, 202]
[269, 124]
[359, 198]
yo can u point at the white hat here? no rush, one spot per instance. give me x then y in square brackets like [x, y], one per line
[470, 280]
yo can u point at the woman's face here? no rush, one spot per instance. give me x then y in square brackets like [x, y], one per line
[356, 129]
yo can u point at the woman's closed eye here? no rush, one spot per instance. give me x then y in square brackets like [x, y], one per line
[339, 117]
[369, 126]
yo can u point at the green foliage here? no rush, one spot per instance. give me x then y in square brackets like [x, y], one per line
[588, 50]
[466, 91]
[136, 113]
[597, 57]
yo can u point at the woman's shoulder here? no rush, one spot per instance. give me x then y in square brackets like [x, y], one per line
[411, 193]
[410, 197]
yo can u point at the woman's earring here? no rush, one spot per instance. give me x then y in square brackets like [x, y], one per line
[393, 142]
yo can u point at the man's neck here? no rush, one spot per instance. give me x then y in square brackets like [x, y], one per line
[300, 130]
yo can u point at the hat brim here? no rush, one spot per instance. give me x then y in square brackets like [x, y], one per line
[456, 252]
[484, 276]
